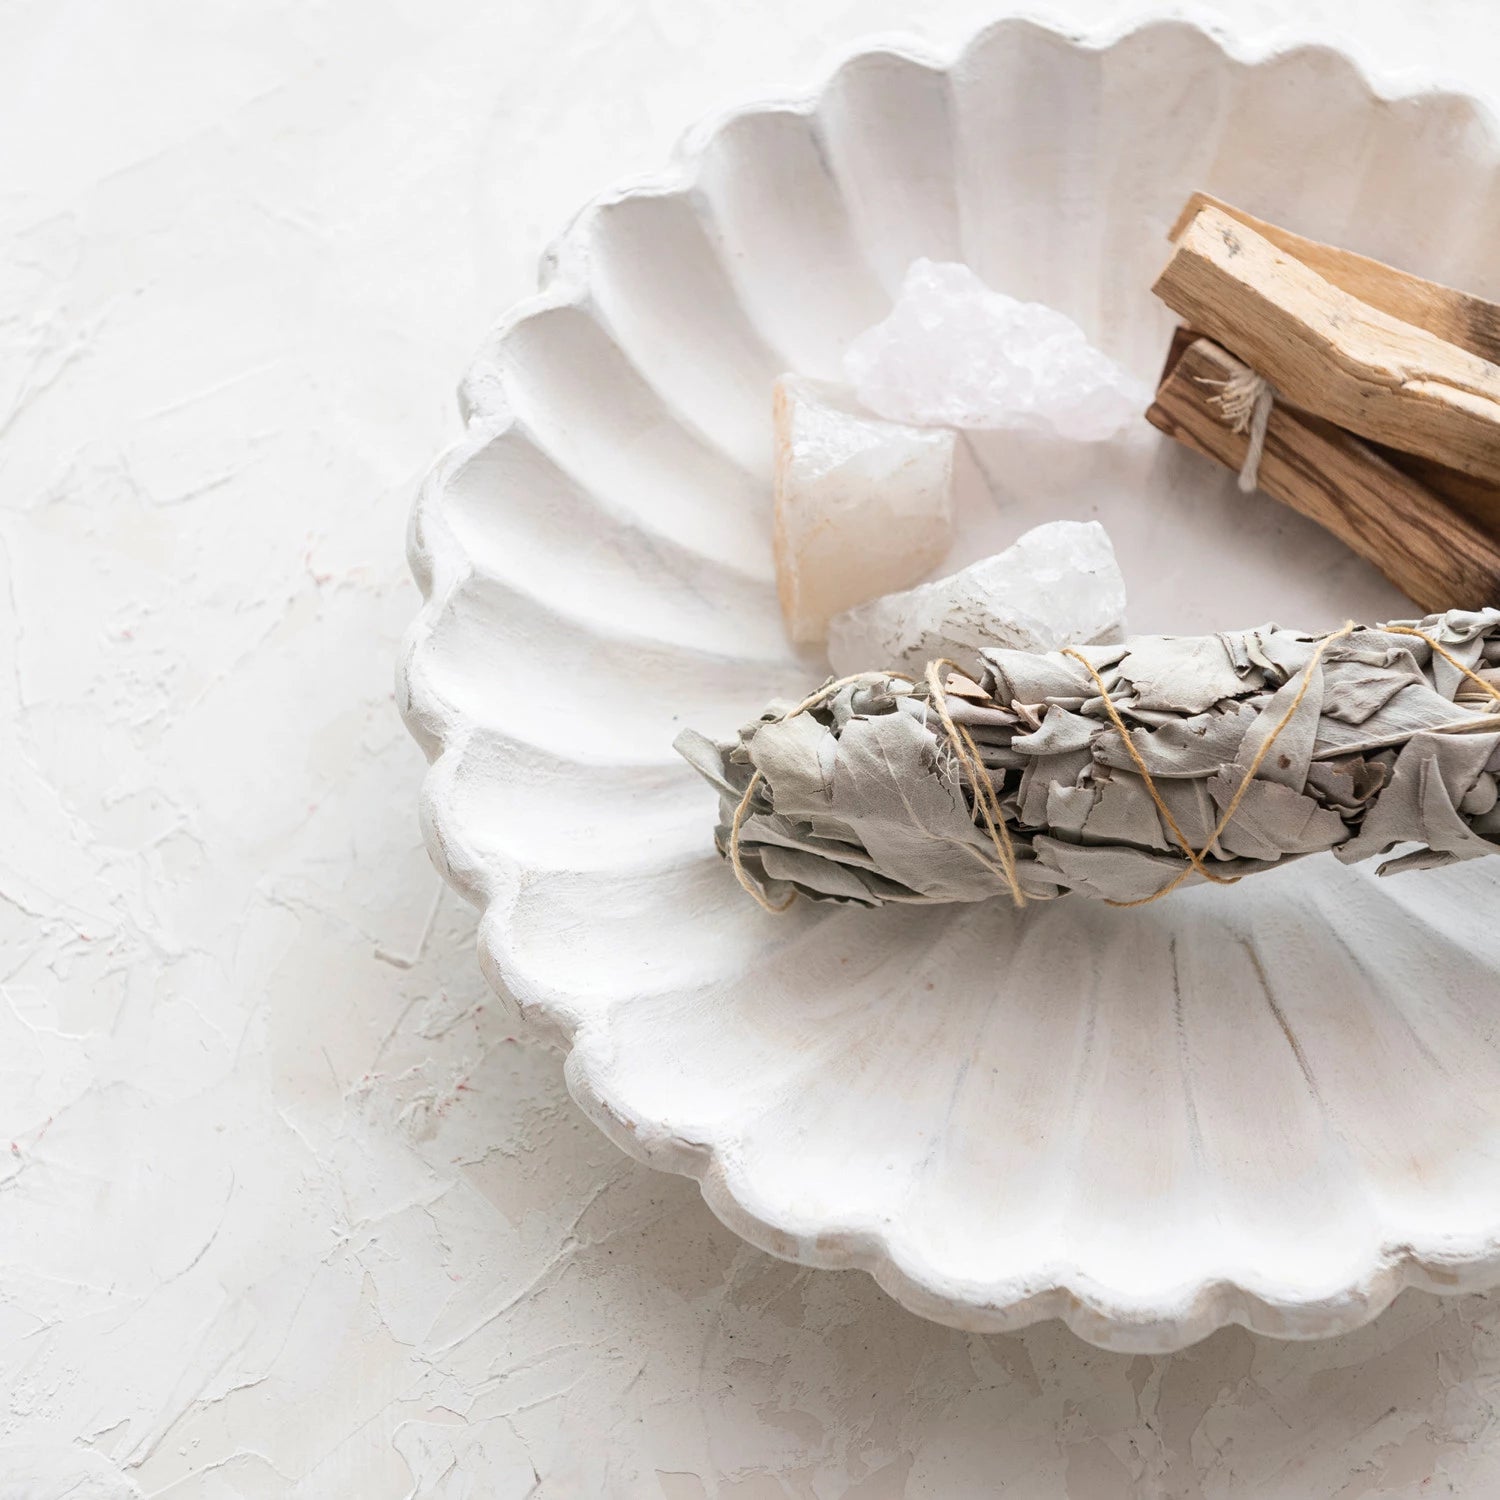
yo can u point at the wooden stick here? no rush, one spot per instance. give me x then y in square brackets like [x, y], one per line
[1478, 499]
[1330, 354]
[1458, 317]
[1431, 553]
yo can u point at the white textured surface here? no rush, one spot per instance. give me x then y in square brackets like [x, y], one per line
[291, 1209]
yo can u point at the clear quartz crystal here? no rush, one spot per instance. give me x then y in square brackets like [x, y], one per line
[862, 505]
[953, 353]
[1059, 585]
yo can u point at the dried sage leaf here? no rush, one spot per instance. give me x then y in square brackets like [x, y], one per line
[1378, 745]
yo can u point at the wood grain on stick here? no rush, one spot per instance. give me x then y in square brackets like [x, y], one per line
[1478, 499]
[1331, 354]
[1434, 555]
[1459, 317]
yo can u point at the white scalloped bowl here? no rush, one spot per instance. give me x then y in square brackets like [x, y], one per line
[1275, 1105]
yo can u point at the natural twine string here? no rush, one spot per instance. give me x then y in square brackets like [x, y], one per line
[964, 748]
[988, 804]
[1447, 656]
[1245, 400]
[984, 790]
[1195, 859]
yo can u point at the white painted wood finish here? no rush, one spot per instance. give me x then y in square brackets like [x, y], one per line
[1276, 1104]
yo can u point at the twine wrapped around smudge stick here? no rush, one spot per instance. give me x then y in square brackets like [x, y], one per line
[1121, 772]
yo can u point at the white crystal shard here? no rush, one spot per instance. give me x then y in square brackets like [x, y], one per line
[1058, 586]
[953, 353]
[863, 506]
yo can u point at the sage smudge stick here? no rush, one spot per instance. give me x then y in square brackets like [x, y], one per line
[1245, 749]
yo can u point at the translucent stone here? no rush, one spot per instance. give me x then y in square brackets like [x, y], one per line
[1058, 586]
[953, 353]
[863, 506]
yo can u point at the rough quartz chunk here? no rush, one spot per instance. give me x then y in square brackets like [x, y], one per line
[953, 353]
[1058, 586]
[863, 506]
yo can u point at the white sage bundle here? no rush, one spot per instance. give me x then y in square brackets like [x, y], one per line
[1121, 772]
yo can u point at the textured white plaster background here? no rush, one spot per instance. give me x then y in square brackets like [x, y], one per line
[287, 1208]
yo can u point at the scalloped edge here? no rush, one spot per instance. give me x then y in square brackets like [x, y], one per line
[1097, 1314]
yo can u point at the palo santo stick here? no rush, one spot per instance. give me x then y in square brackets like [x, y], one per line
[1458, 317]
[1331, 354]
[1478, 499]
[1431, 553]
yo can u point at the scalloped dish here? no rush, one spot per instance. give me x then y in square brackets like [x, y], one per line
[1274, 1105]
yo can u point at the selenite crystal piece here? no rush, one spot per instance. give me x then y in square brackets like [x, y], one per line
[1059, 585]
[954, 353]
[863, 505]
[1263, 746]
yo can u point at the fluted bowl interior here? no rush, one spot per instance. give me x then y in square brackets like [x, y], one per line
[1275, 1104]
